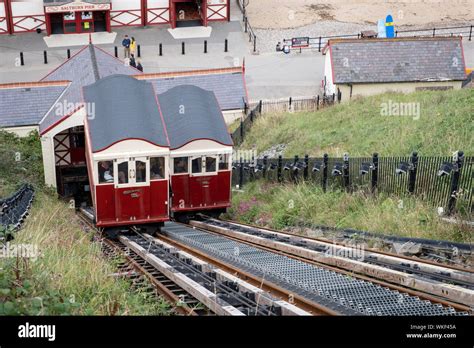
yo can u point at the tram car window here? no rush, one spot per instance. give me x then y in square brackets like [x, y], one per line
[157, 168]
[106, 173]
[180, 165]
[224, 162]
[197, 138]
[127, 153]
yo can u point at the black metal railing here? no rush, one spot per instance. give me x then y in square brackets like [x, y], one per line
[247, 27]
[443, 181]
[298, 104]
[320, 42]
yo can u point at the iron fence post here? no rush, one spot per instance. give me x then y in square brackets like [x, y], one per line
[254, 43]
[265, 163]
[280, 161]
[294, 170]
[306, 164]
[325, 171]
[375, 171]
[319, 44]
[241, 130]
[470, 33]
[241, 173]
[413, 170]
[260, 105]
[458, 163]
[345, 171]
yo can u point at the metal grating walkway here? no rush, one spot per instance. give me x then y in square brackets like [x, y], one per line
[337, 291]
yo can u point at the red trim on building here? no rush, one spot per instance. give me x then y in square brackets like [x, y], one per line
[60, 120]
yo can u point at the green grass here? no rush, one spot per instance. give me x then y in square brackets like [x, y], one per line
[446, 124]
[279, 206]
[71, 275]
[20, 161]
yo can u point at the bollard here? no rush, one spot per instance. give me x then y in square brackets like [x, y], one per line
[226, 44]
[68, 53]
[116, 51]
[45, 55]
[470, 33]
[183, 50]
[319, 44]
[254, 43]
[161, 49]
[205, 46]
[139, 53]
[22, 61]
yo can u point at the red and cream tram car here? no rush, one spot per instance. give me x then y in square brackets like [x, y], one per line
[127, 151]
[200, 152]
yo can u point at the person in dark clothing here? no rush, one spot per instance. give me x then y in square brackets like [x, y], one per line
[126, 47]
[132, 61]
[139, 66]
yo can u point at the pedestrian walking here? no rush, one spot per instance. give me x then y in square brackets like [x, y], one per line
[126, 47]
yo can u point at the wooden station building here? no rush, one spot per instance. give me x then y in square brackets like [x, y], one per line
[85, 16]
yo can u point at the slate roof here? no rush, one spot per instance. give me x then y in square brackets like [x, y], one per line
[397, 60]
[86, 67]
[192, 113]
[228, 85]
[25, 104]
[124, 108]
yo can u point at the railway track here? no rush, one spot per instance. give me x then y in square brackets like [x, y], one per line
[321, 286]
[192, 285]
[449, 282]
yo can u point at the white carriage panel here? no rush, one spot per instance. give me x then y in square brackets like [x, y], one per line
[28, 16]
[158, 11]
[125, 12]
[131, 148]
[201, 147]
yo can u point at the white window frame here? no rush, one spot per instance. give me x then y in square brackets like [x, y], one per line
[171, 166]
[132, 171]
[203, 165]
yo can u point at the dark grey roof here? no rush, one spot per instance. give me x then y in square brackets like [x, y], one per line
[397, 60]
[192, 113]
[25, 106]
[124, 108]
[80, 70]
[229, 88]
